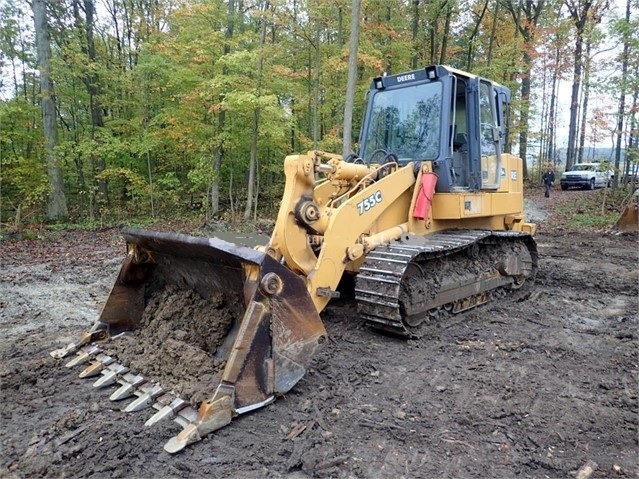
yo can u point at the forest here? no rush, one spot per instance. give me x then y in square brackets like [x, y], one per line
[116, 110]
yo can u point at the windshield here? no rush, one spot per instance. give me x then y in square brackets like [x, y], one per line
[583, 168]
[406, 122]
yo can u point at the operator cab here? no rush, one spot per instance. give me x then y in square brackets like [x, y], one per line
[453, 119]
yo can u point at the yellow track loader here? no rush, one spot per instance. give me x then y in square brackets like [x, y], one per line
[427, 218]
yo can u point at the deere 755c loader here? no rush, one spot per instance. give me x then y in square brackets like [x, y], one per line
[427, 218]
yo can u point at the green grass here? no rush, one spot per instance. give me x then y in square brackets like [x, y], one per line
[598, 209]
[588, 220]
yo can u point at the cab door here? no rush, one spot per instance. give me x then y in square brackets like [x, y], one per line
[484, 136]
[489, 140]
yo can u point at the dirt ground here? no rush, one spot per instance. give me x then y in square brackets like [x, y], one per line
[533, 386]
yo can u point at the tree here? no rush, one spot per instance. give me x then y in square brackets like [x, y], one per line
[206, 97]
[626, 31]
[526, 15]
[593, 38]
[352, 77]
[584, 14]
[57, 203]
[251, 185]
[92, 83]
[218, 152]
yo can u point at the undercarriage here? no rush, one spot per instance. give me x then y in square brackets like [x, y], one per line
[403, 284]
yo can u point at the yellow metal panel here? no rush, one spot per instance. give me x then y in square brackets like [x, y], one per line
[446, 206]
[507, 203]
[475, 204]
[451, 206]
[395, 213]
[322, 192]
[490, 177]
[511, 177]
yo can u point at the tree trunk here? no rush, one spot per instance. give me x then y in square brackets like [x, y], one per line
[251, 189]
[91, 80]
[57, 203]
[552, 112]
[584, 13]
[584, 104]
[622, 101]
[340, 27]
[526, 16]
[218, 152]
[574, 100]
[632, 152]
[543, 124]
[525, 112]
[471, 40]
[493, 35]
[352, 78]
[415, 34]
[389, 40]
[433, 44]
[92, 85]
[449, 14]
[252, 163]
[316, 87]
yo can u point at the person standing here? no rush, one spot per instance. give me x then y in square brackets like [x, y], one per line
[549, 180]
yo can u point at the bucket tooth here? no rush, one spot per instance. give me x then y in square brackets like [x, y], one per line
[84, 339]
[110, 375]
[123, 392]
[167, 412]
[102, 361]
[211, 417]
[145, 399]
[129, 384]
[84, 356]
[92, 370]
[186, 416]
[65, 351]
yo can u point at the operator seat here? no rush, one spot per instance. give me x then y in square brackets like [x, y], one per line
[460, 160]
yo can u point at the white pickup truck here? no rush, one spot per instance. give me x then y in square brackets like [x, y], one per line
[587, 175]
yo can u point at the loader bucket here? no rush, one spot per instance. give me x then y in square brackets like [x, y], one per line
[200, 329]
[629, 219]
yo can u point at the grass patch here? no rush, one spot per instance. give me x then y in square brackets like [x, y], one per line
[599, 209]
[587, 220]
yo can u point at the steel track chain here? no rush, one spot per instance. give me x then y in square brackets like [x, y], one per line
[379, 281]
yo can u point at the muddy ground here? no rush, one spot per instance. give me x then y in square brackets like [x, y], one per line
[531, 386]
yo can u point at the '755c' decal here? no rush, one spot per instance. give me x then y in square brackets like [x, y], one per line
[368, 203]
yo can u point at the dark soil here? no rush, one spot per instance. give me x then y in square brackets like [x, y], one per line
[534, 385]
[177, 342]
